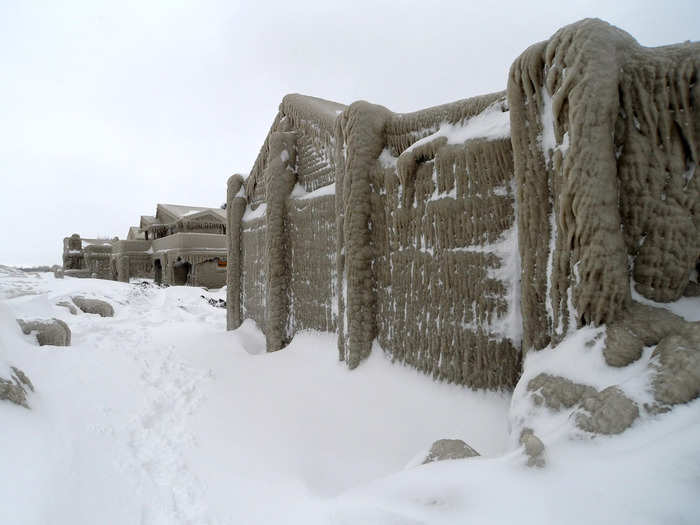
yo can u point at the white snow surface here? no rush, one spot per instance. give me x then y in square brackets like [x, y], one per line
[492, 123]
[160, 416]
[251, 214]
[299, 192]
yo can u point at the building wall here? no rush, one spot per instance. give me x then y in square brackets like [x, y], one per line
[120, 268]
[427, 266]
[312, 264]
[98, 260]
[444, 265]
[99, 266]
[253, 275]
[131, 258]
[141, 266]
[210, 274]
[73, 261]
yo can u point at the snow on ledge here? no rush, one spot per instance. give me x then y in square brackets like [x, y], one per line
[258, 212]
[493, 123]
[300, 193]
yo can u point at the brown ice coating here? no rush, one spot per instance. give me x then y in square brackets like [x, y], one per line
[411, 277]
[363, 127]
[235, 206]
[619, 178]
[280, 178]
[285, 278]
[311, 237]
[379, 258]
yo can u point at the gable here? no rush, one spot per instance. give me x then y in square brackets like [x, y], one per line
[163, 216]
[204, 217]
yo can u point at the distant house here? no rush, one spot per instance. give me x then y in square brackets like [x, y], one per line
[73, 256]
[83, 257]
[188, 245]
[173, 218]
[179, 245]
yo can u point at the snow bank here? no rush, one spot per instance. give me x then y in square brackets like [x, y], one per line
[158, 415]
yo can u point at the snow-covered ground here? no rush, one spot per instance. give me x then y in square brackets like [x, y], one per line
[160, 416]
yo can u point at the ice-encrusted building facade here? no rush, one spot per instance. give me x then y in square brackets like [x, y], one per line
[84, 257]
[459, 237]
[179, 245]
[188, 245]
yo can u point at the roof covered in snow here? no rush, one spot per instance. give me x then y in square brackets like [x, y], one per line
[176, 212]
[135, 233]
[147, 220]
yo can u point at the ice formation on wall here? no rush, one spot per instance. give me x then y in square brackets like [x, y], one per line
[429, 232]
[605, 142]
[282, 238]
[409, 239]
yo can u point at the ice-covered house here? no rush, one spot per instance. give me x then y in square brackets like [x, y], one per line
[187, 245]
[83, 257]
[73, 256]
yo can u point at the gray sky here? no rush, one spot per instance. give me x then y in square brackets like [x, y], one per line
[107, 108]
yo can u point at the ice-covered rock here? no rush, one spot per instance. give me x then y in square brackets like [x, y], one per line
[638, 326]
[52, 332]
[557, 392]
[534, 448]
[677, 365]
[94, 306]
[15, 388]
[607, 412]
[449, 449]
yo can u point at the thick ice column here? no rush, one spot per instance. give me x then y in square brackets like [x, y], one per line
[363, 133]
[280, 177]
[235, 206]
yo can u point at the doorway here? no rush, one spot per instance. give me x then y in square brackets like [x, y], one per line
[157, 272]
[181, 272]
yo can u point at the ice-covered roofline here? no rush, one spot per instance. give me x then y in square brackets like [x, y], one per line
[180, 211]
[323, 112]
[402, 130]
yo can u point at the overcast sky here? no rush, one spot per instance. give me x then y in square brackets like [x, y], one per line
[107, 108]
